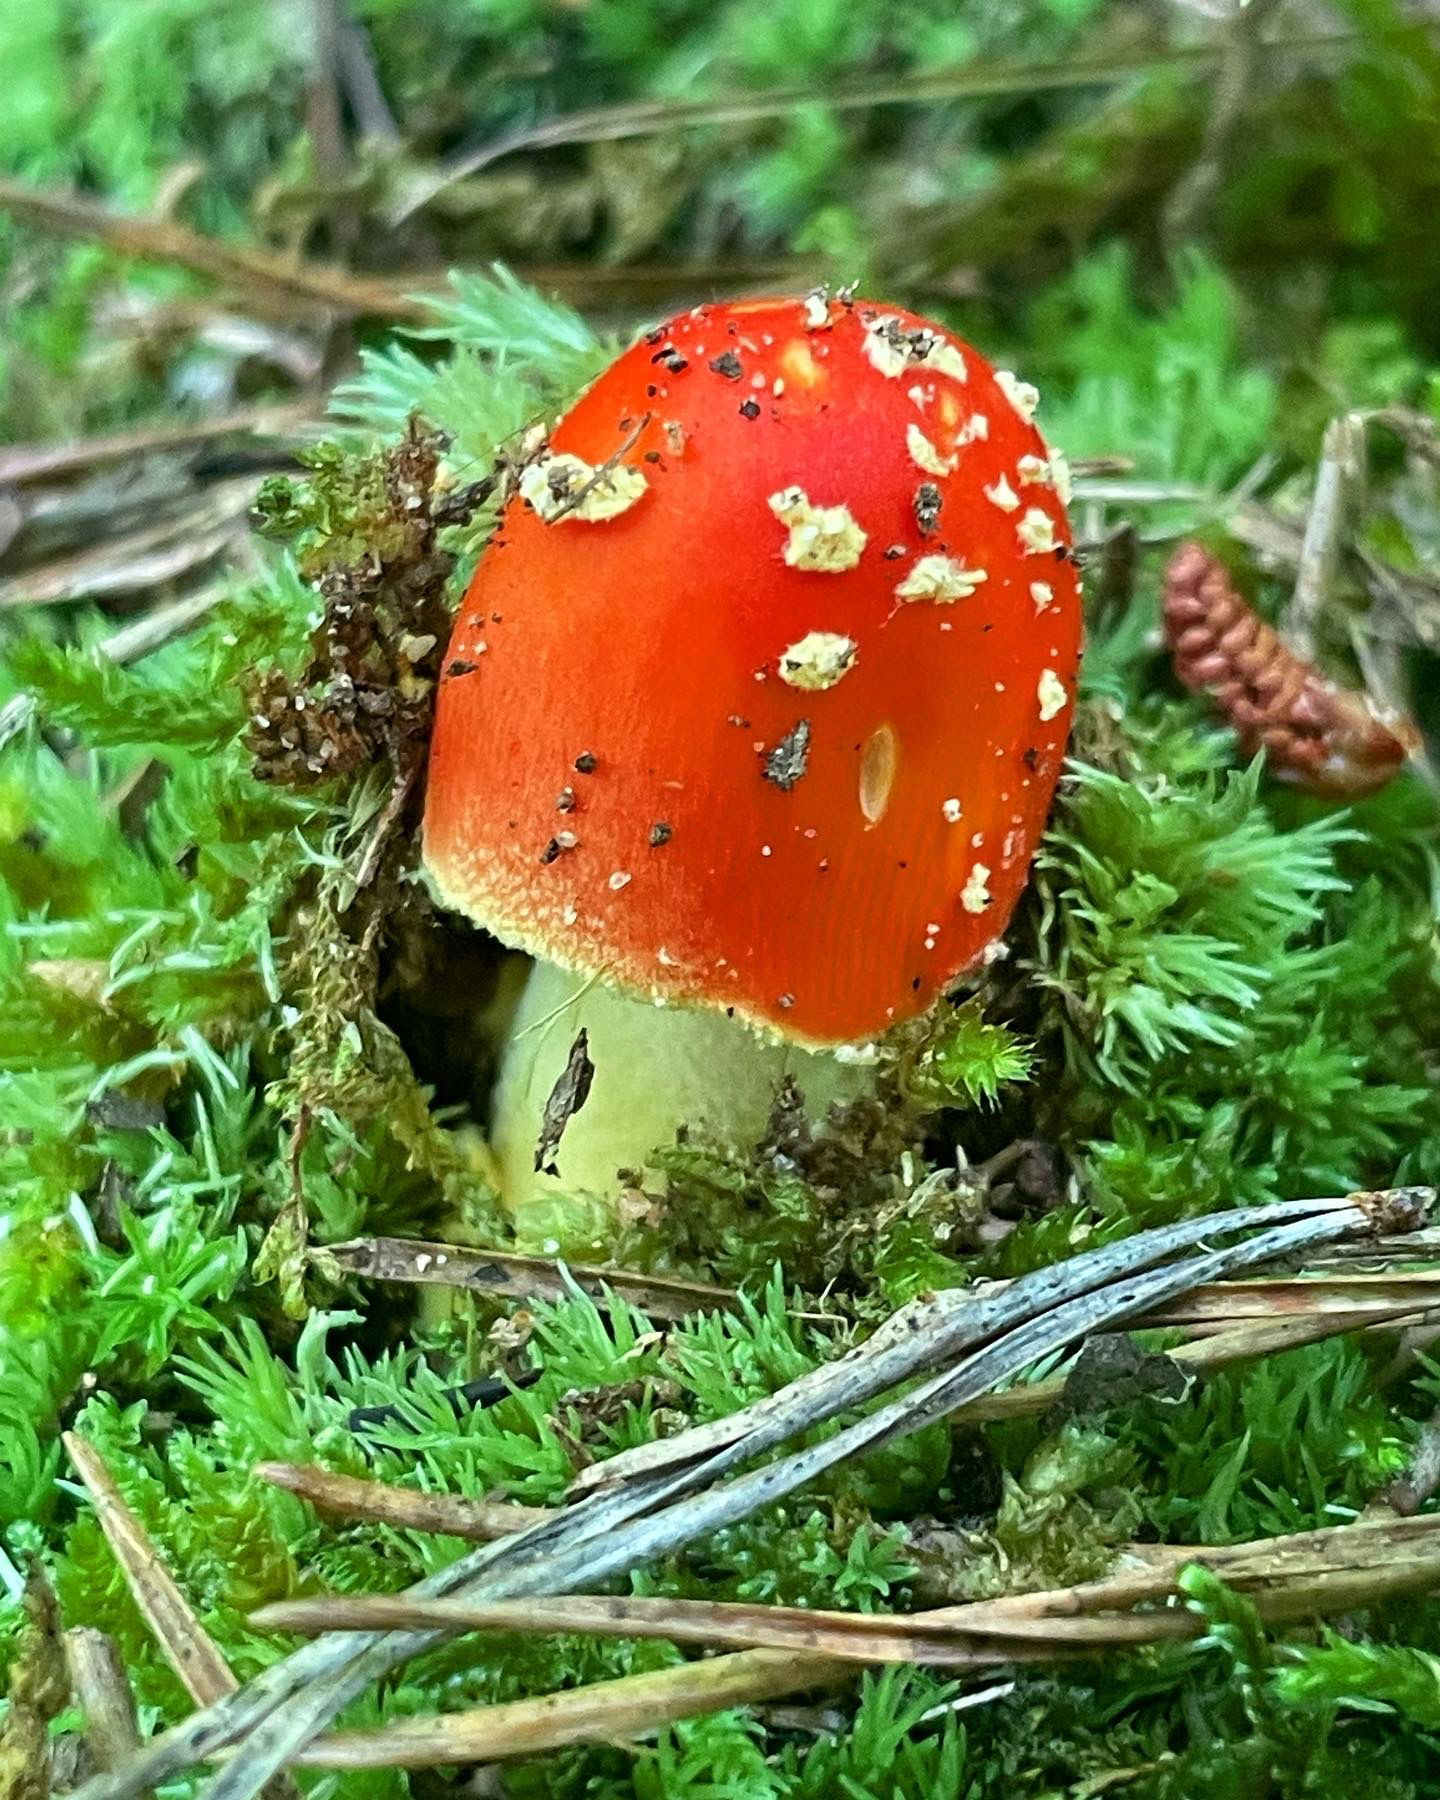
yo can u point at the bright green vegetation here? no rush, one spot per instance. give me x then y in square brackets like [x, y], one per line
[1218, 990]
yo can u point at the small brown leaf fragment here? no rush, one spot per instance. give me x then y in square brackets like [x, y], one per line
[115, 1110]
[567, 1097]
[1314, 733]
[1112, 1369]
[283, 1256]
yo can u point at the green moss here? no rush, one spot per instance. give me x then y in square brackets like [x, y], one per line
[216, 1060]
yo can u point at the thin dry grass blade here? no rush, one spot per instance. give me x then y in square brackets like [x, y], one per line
[973, 81]
[856, 1637]
[595, 1714]
[504, 1275]
[1292, 1578]
[479, 1521]
[1356, 1297]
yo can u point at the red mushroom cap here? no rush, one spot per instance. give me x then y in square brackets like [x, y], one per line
[759, 695]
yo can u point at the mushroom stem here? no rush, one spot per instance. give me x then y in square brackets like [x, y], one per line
[657, 1069]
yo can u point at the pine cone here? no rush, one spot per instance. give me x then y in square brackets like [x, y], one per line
[1326, 738]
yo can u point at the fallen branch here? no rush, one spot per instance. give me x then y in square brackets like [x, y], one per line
[952, 1348]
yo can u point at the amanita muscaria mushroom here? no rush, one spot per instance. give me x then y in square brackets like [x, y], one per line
[753, 713]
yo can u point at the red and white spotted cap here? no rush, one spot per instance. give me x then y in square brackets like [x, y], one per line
[760, 693]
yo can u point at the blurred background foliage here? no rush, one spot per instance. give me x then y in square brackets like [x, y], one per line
[1204, 233]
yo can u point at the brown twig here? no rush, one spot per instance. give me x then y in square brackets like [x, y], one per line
[324, 122]
[280, 287]
[1291, 1578]
[1239, 56]
[274, 285]
[24, 464]
[407, 1509]
[849, 1637]
[1355, 1297]
[37, 1689]
[1419, 1479]
[188, 1647]
[101, 1690]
